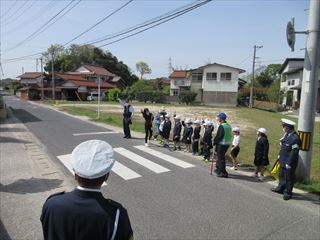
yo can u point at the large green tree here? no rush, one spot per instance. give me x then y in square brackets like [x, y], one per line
[269, 75]
[71, 58]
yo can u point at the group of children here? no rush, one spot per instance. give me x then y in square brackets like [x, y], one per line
[197, 137]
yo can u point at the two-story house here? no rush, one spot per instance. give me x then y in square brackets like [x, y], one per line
[291, 79]
[215, 84]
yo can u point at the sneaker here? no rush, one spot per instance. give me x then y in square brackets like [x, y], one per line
[261, 178]
[146, 144]
[234, 168]
[254, 175]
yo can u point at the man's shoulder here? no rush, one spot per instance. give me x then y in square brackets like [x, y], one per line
[56, 195]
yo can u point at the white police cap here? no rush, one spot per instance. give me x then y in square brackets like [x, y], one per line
[197, 122]
[188, 120]
[262, 130]
[92, 159]
[287, 122]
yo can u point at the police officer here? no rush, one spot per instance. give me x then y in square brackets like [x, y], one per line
[222, 141]
[288, 159]
[128, 113]
[84, 213]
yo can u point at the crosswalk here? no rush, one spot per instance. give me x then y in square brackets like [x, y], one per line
[128, 174]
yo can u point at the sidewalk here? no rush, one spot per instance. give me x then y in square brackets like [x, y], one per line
[27, 178]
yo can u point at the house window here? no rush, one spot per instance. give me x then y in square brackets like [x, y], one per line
[182, 83]
[225, 76]
[292, 82]
[175, 92]
[211, 76]
[175, 82]
[289, 83]
[196, 77]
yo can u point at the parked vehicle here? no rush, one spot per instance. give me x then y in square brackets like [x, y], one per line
[93, 96]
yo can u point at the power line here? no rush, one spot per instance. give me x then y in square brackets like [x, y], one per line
[164, 21]
[141, 25]
[99, 22]
[32, 18]
[35, 33]
[14, 13]
[9, 9]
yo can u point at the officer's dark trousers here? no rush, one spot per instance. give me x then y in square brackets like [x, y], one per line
[221, 159]
[286, 180]
[126, 128]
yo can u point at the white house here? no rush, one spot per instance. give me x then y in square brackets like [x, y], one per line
[291, 79]
[215, 83]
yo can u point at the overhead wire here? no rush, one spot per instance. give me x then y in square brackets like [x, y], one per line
[9, 9]
[14, 13]
[99, 22]
[35, 33]
[166, 19]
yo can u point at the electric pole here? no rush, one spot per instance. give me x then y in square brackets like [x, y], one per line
[309, 91]
[52, 79]
[42, 91]
[255, 47]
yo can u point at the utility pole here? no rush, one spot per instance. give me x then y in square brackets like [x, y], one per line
[42, 91]
[37, 64]
[52, 79]
[309, 91]
[99, 82]
[255, 47]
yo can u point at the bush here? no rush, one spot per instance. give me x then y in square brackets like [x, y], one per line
[159, 97]
[113, 94]
[144, 96]
[187, 97]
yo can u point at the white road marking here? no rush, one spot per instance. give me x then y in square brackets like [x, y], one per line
[92, 133]
[141, 160]
[118, 168]
[165, 157]
[124, 172]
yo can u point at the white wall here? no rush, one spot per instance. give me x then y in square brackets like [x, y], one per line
[220, 85]
[82, 69]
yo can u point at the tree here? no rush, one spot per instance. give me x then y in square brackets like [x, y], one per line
[143, 68]
[269, 75]
[53, 52]
[140, 86]
[187, 97]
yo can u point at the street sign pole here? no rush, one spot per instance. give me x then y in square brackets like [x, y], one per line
[309, 91]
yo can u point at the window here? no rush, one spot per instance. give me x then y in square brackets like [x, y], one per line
[289, 83]
[211, 76]
[175, 92]
[175, 82]
[225, 76]
[182, 83]
[292, 82]
[197, 77]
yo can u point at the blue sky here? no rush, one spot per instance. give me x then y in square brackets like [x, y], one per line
[220, 31]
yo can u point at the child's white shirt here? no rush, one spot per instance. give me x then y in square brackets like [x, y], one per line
[236, 140]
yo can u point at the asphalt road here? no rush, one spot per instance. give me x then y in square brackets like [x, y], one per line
[178, 203]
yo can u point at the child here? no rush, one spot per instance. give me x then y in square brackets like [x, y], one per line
[202, 134]
[235, 149]
[207, 141]
[161, 129]
[261, 158]
[147, 115]
[188, 134]
[166, 130]
[196, 137]
[157, 125]
[176, 133]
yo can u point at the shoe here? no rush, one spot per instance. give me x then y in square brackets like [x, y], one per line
[286, 197]
[261, 178]
[179, 149]
[146, 144]
[174, 149]
[276, 190]
[234, 168]
[125, 137]
[254, 175]
[222, 175]
[205, 159]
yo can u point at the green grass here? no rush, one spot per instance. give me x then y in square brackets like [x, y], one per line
[255, 119]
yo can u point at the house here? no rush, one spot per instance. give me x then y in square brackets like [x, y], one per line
[31, 82]
[93, 73]
[159, 83]
[291, 81]
[214, 83]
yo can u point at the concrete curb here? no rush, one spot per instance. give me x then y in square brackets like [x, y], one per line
[311, 196]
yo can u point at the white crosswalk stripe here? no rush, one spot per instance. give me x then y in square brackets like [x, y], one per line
[165, 157]
[141, 160]
[126, 173]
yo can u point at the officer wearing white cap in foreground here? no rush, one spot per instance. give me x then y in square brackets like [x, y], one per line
[288, 159]
[84, 213]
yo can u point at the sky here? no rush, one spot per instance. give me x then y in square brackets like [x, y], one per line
[221, 31]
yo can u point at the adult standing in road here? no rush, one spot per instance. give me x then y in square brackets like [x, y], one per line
[84, 213]
[128, 113]
[288, 159]
[222, 141]
[148, 117]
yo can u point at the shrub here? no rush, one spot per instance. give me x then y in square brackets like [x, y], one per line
[113, 94]
[187, 97]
